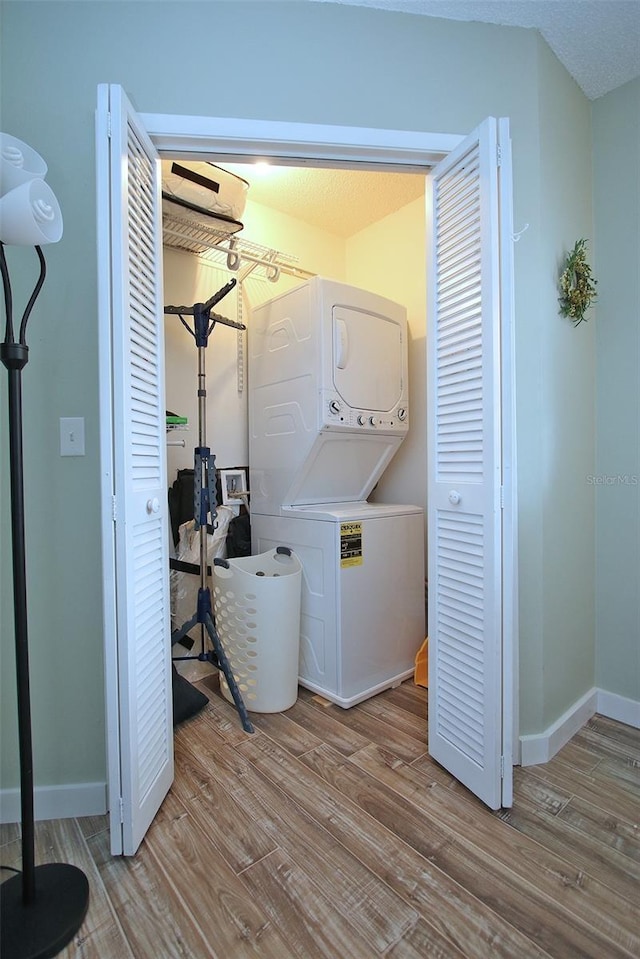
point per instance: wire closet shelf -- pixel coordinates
(229, 251)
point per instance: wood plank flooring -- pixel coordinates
(331, 834)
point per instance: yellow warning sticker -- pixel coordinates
(350, 544)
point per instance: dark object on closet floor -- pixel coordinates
(239, 535)
(187, 700)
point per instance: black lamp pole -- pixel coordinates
(43, 907)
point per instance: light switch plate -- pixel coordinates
(72, 436)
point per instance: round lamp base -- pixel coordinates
(45, 926)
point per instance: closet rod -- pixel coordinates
(229, 251)
(273, 268)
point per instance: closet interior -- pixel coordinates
(360, 228)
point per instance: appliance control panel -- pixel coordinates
(337, 415)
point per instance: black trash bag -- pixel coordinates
(181, 498)
(239, 535)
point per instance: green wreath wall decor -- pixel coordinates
(577, 285)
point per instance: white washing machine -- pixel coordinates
(363, 601)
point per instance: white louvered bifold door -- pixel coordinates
(142, 667)
(465, 632)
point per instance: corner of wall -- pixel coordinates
(541, 747)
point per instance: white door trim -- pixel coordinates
(185, 135)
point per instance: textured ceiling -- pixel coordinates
(339, 201)
(598, 41)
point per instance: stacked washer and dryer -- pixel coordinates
(328, 409)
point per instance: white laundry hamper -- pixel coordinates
(256, 602)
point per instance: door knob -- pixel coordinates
(153, 505)
(454, 497)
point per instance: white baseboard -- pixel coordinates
(619, 707)
(57, 802)
(541, 747)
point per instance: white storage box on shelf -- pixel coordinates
(204, 193)
(256, 601)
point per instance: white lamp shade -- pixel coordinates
(18, 163)
(30, 215)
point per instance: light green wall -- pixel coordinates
(616, 156)
(555, 415)
(567, 398)
(304, 62)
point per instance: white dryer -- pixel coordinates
(328, 402)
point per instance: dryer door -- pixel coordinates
(368, 359)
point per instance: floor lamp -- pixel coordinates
(42, 907)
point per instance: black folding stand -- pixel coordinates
(204, 494)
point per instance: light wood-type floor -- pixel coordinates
(330, 833)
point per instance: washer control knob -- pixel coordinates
(373, 421)
(361, 420)
(334, 406)
(402, 415)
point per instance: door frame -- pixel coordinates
(184, 137)
(181, 137)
